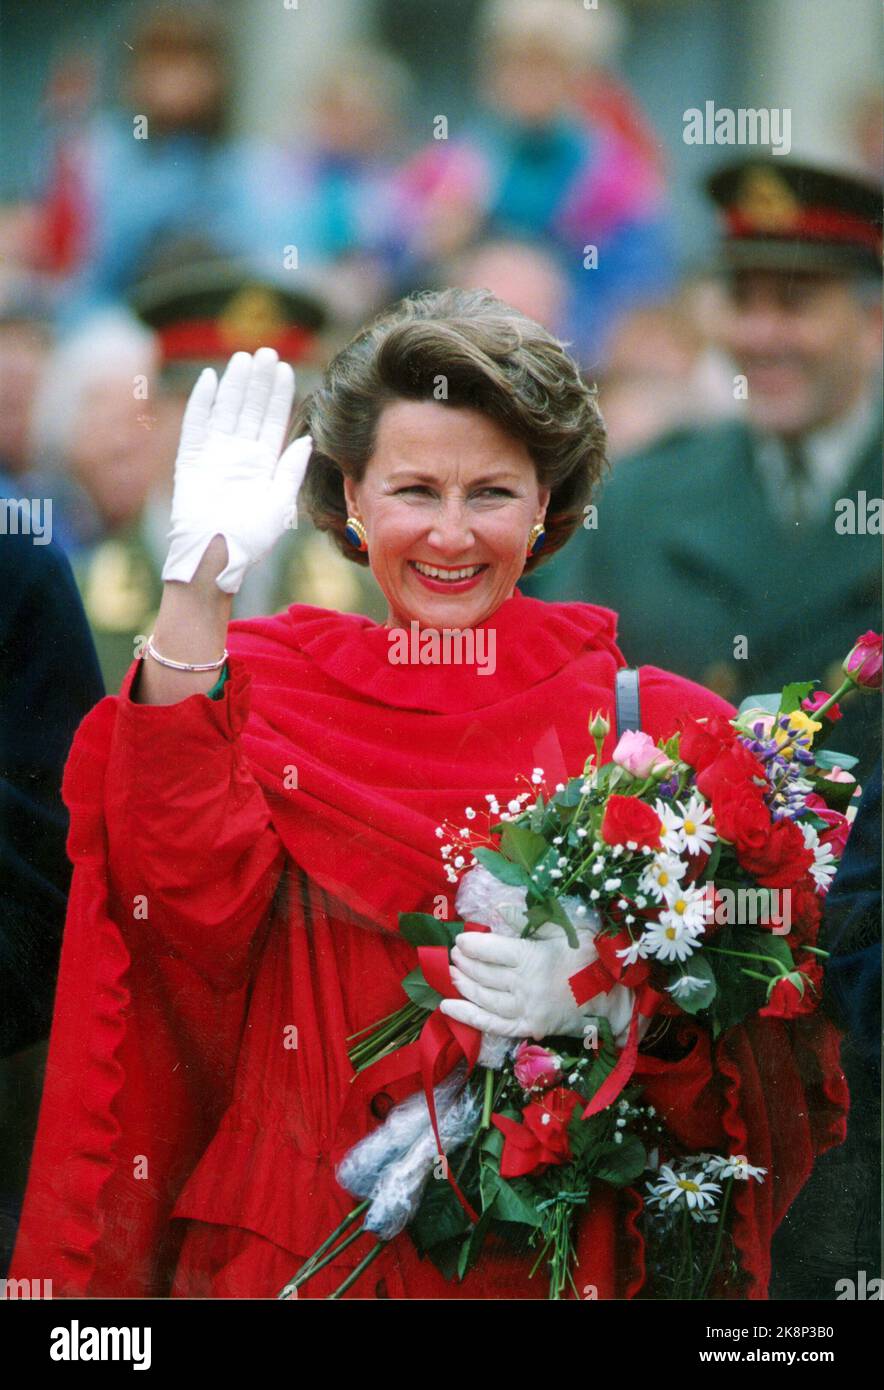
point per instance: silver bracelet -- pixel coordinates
(186, 665)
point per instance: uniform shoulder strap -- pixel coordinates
(627, 704)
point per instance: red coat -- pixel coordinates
(239, 868)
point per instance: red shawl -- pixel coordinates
(324, 758)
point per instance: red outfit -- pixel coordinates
(239, 868)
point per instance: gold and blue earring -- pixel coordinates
(355, 533)
(536, 538)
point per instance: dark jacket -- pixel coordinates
(49, 679)
(689, 553)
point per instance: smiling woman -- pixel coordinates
(259, 803)
(460, 408)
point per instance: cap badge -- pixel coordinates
(766, 203)
(252, 317)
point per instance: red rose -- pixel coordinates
(742, 817)
(542, 1141)
(700, 744)
(734, 764)
(787, 999)
(626, 818)
(806, 913)
(783, 860)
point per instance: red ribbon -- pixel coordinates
(647, 1001)
(599, 978)
(444, 1041)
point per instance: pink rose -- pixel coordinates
(638, 754)
(863, 662)
(536, 1068)
(837, 825)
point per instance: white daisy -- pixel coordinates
(822, 870)
(737, 1166)
(671, 940)
(665, 870)
(637, 950)
(698, 834)
(687, 903)
(695, 1193)
(683, 985)
(671, 834)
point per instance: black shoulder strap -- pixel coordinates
(628, 707)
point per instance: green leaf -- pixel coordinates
(620, 1164)
(422, 929)
(440, 1217)
(419, 992)
(489, 1170)
(445, 1255)
(510, 1206)
(504, 870)
(584, 1135)
(605, 1059)
(827, 758)
(769, 703)
(712, 861)
(522, 846)
(793, 694)
(571, 795)
(472, 1248)
(737, 994)
(550, 910)
(536, 816)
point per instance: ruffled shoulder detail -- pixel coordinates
(525, 642)
(60, 1226)
(785, 1103)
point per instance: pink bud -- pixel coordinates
(536, 1068)
(638, 754)
(863, 662)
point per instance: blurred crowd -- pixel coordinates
(158, 240)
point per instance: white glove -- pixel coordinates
(229, 478)
(518, 986)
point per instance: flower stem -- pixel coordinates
(686, 1254)
(719, 1236)
(331, 1255)
(846, 685)
(488, 1099)
(477, 1131)
(355, 1274)
(379, 1022)
(298, 1277)
(748, 955)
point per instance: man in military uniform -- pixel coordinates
(201, 312)
(747, 554)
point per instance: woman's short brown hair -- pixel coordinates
(462, 348)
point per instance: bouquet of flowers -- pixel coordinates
(687, 879)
